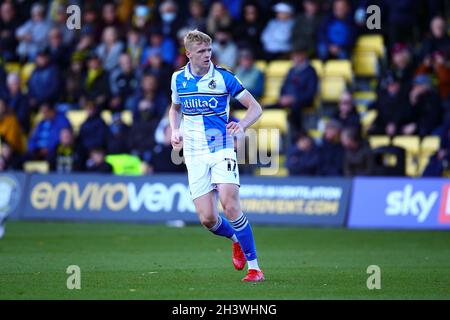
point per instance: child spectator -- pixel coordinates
(96, 162)
(303, 158)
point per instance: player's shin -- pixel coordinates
(244, 234)
(224, 229)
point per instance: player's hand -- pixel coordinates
(235, 129)
(176, 140)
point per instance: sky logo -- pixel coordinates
(444, 212)
(407, 202)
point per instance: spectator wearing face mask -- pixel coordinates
(225, 49)
(170, 20)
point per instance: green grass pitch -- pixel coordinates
(143, 261)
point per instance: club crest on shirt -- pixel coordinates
(212, 84)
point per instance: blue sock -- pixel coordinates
(244, 234)
(222, 228)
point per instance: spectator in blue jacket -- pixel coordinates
(337, 32)
(93, 132)
(44, 82)
(45, 137)
(303, 158)
(299, 88)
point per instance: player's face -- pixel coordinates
(200, 54)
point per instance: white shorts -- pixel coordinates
(207, 170)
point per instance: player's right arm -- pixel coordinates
(175, 121)
(175, 115)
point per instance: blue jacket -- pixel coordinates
(44, 83)
(46, 134)
(303, 162)
(338, 32)
(302, 83)
(93, 133)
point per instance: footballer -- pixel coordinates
(199, 119)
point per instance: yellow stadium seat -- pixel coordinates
(272, 90)
(410, 143)
(36, 167)
(412, 146)
(315, 134)
(25, 74)
(273, 119)
(12, 67)
(372, 42)
(76, 118)
(331, 88)
(126, 116)
(261, 65)
(430, 144)
(365, 64)
(367, 119)
(278, 68)
(318, 66)
(379, 141)
(339, 68)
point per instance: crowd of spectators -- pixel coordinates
(124, 54)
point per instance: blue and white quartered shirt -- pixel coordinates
(205, 104)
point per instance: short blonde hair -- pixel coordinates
(196, 36)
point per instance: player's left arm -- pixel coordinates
(254, 110)
(253, 113)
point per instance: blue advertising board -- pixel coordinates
(12, 189)
(159, 198)
(400, 203)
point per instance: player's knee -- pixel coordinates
(231, 208)
(208, 221)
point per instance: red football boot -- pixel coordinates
(254, 276)
(239, 260)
